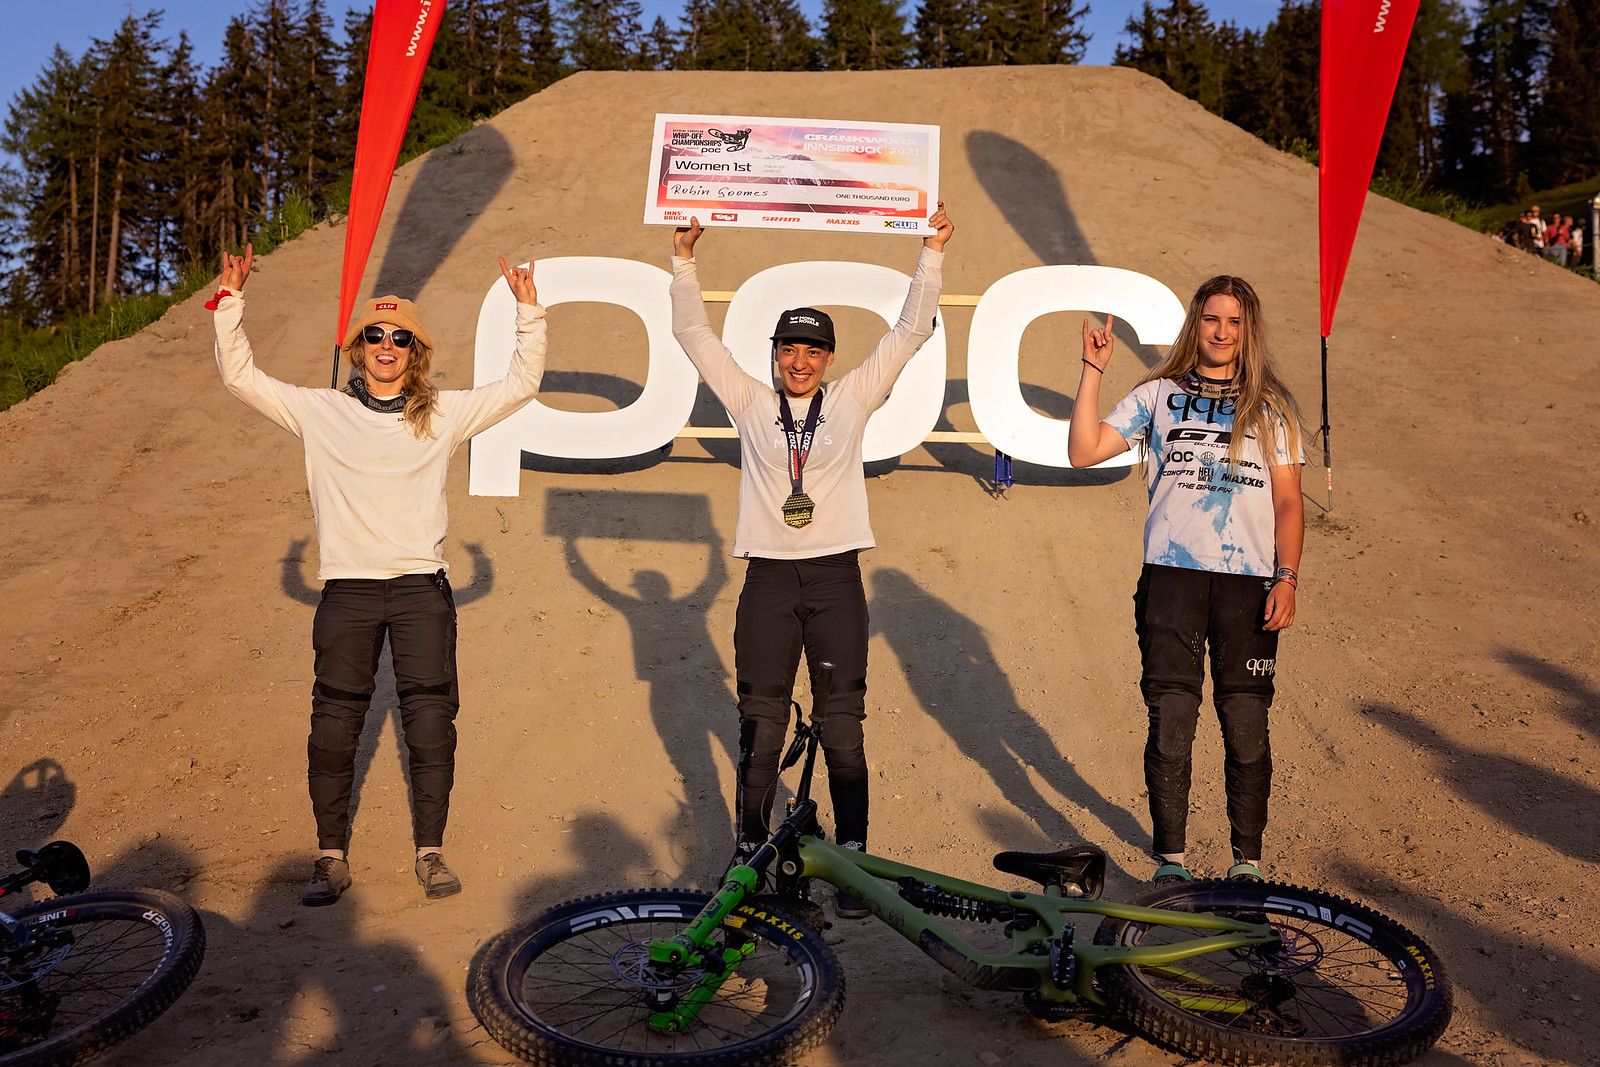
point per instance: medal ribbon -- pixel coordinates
(799, 442)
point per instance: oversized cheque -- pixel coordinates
(798, 174)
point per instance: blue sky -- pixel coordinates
(33, 30)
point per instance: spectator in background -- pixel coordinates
(1577, 242)
(1536, 225)
(1558, 239)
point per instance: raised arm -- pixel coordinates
(872, 381)
(488, 404)
(1090, 441)
(276, 400)
(733, 386)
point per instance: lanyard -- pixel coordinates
(799, 441)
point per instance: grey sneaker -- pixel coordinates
(329, 879)
(437, 879)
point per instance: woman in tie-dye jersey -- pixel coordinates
(1220, 438)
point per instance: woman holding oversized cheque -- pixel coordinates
(802, 525)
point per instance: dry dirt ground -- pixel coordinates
(1439, 699)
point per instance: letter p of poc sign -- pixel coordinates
(1002, 315)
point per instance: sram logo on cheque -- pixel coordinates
(780, 218)
(724, 216)
(900, 224)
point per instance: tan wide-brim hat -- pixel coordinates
(390, 309)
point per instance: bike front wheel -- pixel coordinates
(575, 986)
(100, 968)
(1344, 984)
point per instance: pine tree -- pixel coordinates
(1177, 44)
(232, 156)
(1564, 127)
(1486, 124)
(601, 34)
(746, 35)
(124, 100)
(1028, 31)
(1433, 67)
(658, 49)
(1291, 47)
(943, 32)
(864, 35)
(179, 178)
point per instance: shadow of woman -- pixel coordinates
(958, 683)
(674, 655)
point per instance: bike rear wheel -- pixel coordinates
(570, 986)
(1345, 984)
(104, 965)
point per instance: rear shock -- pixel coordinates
(929, 898)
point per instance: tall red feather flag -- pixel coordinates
(402, 36)
(1363, 47)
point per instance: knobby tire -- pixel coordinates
(1346, 986)
(566, 989)
(133, 954)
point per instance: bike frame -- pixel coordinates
(1044, 957)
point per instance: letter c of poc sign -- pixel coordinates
(1003, 313)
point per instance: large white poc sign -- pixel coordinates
(1002, 315)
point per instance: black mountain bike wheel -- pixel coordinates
(105, 965)
(570, 986)
(1346, 985)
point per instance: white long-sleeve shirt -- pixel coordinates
(833, 477)
(377, 491)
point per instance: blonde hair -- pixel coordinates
(422, 396)
(1262, 400)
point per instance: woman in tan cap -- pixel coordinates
(376, 456)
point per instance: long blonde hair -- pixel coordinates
(422, 396)
(1262, 400)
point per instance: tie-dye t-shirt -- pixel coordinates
(1204, 515)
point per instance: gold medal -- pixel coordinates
(797, 510)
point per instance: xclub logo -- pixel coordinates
(900, 224)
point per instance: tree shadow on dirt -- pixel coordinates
(1582, 704)
(959, 684)
(673, 653)
(1521, 989)
(454, 186)
(1518, 793)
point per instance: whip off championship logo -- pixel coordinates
(1150, 309)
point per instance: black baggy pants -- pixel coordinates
(787, 605)
(418, 614)
(1178, 613)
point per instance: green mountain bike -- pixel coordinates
(1228, 971)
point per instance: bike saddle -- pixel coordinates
(1079, 871)
(59, 865)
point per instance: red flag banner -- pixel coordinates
(402, 36)
(1363, 45)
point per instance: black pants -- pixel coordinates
(418, 614)
(788, 605)
(1178, 612)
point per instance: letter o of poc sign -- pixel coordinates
(1002, 316)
